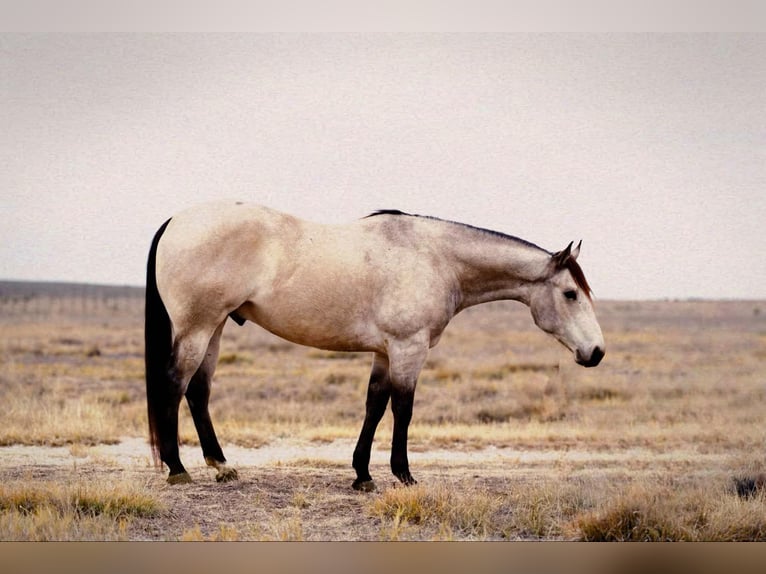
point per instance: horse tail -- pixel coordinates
(158, 348)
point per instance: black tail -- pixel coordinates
(158, 340)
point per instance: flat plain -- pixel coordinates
(510, 440)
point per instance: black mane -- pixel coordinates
(388, 212)
(466, 225)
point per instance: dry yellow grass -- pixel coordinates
(442, 510)
(582, 509)
(649, 513)
(83, 510)
(646, 446)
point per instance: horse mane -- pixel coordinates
(389, 212)
(572, 265)
(464, 225)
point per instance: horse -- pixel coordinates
(388, 284)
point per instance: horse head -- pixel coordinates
(561, 305)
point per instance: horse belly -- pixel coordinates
(313, 326)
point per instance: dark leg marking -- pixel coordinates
(378, 393)
(401, 405)
(198, 398)
(168, 443)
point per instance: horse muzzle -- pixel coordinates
(595, 357)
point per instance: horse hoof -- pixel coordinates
(180, 478)
(364, 485)
(226, 474)
(406, 479)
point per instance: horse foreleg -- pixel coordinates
(401, 405)
(378, 392)
(198, 397)
(406, 362)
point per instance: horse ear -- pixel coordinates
(576, 251)
(560, 259)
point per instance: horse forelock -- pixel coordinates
(578, 275)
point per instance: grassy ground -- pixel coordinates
(510, 439)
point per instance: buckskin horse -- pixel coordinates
(387, 284)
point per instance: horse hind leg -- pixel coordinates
(188, 354)
(198, 397)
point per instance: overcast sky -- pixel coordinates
(649, 148)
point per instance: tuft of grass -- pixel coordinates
(79, 511)
(665, 513)
(193, 535)
(301, 499)
(736, 520)
(633, 520)
(47, 524)
(285, 527)
(116, 500)
(224, 533)
(444, 511)
(542, 510)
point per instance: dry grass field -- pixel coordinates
(665, 440)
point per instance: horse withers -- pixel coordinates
(387, 284)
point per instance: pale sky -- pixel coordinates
(649, 148)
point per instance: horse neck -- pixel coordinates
(493, 268)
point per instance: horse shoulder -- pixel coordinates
(418, 295)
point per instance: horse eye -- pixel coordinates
(570, 295)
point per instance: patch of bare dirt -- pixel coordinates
(293, 490)
(287, 490)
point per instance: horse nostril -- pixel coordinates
(596, 356)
